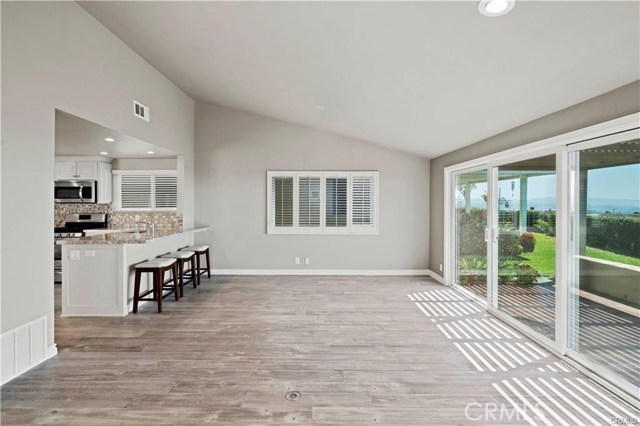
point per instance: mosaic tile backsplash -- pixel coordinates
(119, 220)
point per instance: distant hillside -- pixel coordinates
(596, 205)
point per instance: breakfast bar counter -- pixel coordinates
(98, 270)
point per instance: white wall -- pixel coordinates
(144, 164)
(235, 149)
(55, 55)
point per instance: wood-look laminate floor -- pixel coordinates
(360, 350)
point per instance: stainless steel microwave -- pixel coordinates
(75, 191)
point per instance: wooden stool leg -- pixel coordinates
(158, 279)
(136, 292)
(208, 265)
(197, 256)
(194, 277)
(180, 265)
(175, 274)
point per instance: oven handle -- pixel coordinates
(80, 193)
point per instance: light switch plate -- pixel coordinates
(89, 253)
(74, 254)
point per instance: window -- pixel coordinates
(144, 190)
(322, 202)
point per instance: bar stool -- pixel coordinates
(182, 257)
(200, 250)
(157, 267)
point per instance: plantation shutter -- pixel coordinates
(362, 190)
(148, 190)
(135, 191)
(282, 201)
(336, 202)
(309, 201)
(166, 192)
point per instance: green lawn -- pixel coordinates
(544, 255)
(612, 257)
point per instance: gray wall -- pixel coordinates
(617, 103)
(235, 149)
(55, 55)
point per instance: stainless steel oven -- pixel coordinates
(75, 191)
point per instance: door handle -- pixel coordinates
(486, 235)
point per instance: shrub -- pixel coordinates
(546, 222)
(619, 234)
(515, 272)
(472, 263)
(470, 229)
(527, 241)
(509, 245)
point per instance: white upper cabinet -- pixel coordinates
(70, 168)
(65, 170)
(87, 170)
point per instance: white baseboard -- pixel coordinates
(23, 348)
(368, 272)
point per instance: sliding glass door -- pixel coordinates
(470, 228)
(550, 240)
(525, 210)
(604, 323)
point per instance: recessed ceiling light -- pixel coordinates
(109, 139)
(104, 153)
(150, 152)
(320, 107)
(496, 7)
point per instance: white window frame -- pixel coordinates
(117, 196)
(350, 229)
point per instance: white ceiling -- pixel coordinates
(77, 136)
(424, 77)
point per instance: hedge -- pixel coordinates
(619, 234)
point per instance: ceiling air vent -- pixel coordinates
(140, 111)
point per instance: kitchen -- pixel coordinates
(117, 203)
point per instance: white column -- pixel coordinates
(467, 197)
(523, 203)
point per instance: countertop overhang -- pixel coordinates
(130, 237)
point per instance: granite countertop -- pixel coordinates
(131, 237)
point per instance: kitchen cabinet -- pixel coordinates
(65, 170)
(76, 170)
(105, 183)
(87, 168)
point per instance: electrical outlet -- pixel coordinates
(307, 261)
(441, 267)
(296, 260)
(74, 254)
(89, 253)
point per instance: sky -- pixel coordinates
(615, 182)
(611, 183)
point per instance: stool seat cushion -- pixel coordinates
(184, 254)
(197, 248)
(156, 263)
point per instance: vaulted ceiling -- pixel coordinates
(423, 77)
